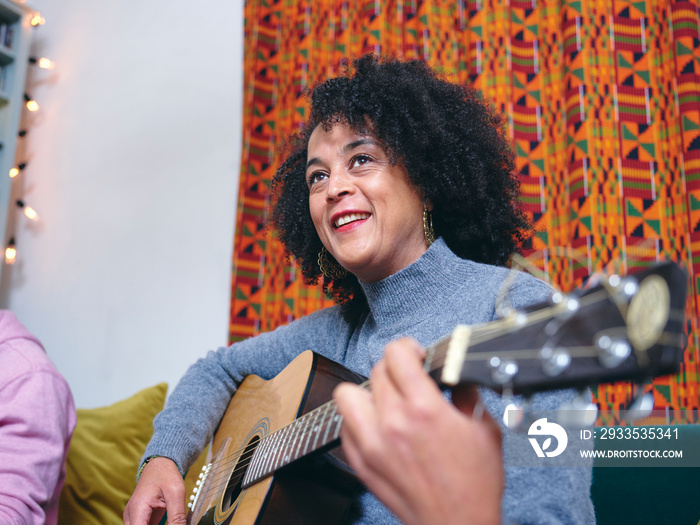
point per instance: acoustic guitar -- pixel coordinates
(277, 459)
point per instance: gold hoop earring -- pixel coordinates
(428, 225)
(330, 269)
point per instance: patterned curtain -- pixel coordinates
(603, 102)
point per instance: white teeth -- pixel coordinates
(350, 218)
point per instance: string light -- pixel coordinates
(32, 105)
(43, 63)
(15, 170)
(10, 252)
(29, 212)
(37, 20)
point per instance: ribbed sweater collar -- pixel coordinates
(416, 289)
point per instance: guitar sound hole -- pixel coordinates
(233, 488)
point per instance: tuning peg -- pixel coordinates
(565, 307)
(502, 370)
(625, 287)
(640, 408)
(554, 360)
(613, 351)
(579, 413)
(569, 304)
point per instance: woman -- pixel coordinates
(391, 157)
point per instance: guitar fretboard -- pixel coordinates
(309, 433)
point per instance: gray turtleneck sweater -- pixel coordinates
(425, 300)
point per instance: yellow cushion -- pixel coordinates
(104, 457)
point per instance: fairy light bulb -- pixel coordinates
(37, 20)
(43, 63)
(10, 252)
(32, 104)
(29, 212)
(14, 171)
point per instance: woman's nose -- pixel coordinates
(339, 184)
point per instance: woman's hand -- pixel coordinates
(428, 460)
(160, 489)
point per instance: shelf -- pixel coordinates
(9, 14)
(14, 60)
(7, 56)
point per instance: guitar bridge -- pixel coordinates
(195, 491)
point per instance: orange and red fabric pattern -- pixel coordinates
(602, 100)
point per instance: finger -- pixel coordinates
(362, 442)
(156, 516)
(387, 399)
(465, 398)
(355, 405)
(359, 422)
(175, 506)
(143, 515)
(404, 363)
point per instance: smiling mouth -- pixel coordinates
(347, 219)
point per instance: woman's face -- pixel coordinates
(366, 212)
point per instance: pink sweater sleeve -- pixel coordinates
(37, 418)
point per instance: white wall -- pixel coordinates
(133, 168)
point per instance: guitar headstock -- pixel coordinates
(618, 328)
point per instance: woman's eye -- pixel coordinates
(315, 177)
(359, 160)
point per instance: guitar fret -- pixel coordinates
(328, 424)
(323, 420)
(255, 463)
(313, 427)
(280, 443)
(302, 430)
(259, 469)
(281, 448)
(295, 431)
(257, 459)
(269, 454)
(288, 444)
(338, 420)
(248, 474)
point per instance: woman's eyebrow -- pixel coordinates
(347, 148)
(360, 142)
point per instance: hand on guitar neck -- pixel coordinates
(427, 460)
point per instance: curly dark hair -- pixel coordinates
(451, 141)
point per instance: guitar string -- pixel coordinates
(480, 334)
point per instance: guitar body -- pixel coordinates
(315, 490)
